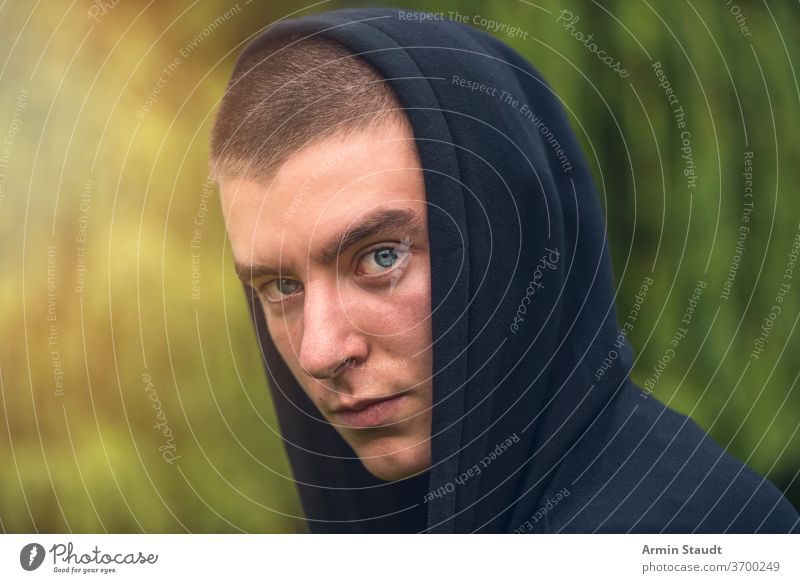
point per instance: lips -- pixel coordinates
(368, 412)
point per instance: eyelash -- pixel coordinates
(383, 246)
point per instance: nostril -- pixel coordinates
(345, 364)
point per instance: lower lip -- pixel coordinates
(371, 415)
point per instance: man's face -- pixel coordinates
(337, 248)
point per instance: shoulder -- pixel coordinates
(644, 467)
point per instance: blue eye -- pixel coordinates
(287, 286)
(378, 261)
(278, 289)
(385, 257)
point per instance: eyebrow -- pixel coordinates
(379, 222)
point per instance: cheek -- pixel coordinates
(284, 339)
(287, 343)
(401, 313)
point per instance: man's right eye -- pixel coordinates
(278, 290)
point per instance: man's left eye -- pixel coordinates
(378, 261)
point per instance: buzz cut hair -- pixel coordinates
(289, 94)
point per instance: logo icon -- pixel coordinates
(31, 556)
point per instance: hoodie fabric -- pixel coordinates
(524, 437)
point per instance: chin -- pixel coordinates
(394, 459)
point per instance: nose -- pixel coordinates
(331, 339)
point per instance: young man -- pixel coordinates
(426, 266)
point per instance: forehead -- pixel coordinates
(322, 189)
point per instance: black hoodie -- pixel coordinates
(524, 437)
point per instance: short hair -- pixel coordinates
(289, 94)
